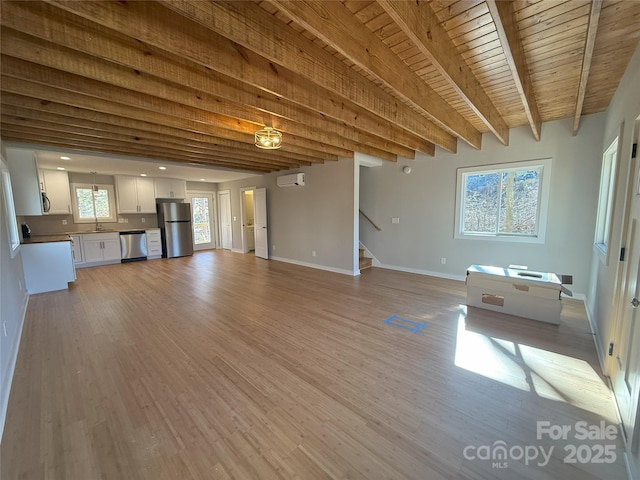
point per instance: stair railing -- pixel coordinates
(370, 221)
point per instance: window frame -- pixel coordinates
(11, 221)
(110, 195)
(606, 200)
(543, 201)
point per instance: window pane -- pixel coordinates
(201, 226)
(102, 203)
(85, 203)
(519, 202)
(481, 203)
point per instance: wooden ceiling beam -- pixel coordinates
(157, 26)
(164, 99)
(140, 138)
(155, 110)
(335, 25)
(83, 71)
(592, 30)
(419, 22)
(56, 26)
(179, 129)
(52, 133)
(117, 149)
(507, 30)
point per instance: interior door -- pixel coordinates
(626, 366)
(202, 221)
(224, 204)
(260, 222)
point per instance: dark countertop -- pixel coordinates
(62, 237)
(109, 230)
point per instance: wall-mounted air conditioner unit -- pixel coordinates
(293, 180)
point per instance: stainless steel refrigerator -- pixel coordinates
(174, 220)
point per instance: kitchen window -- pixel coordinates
(93, 203)
(504, 202)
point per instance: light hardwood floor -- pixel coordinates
(223, 366)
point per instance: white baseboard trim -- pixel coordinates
(632, 471)
(429, 273)
(237, 250)
(596, 336)
(316, 266)
(6, 389)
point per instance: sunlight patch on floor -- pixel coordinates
(546, 374)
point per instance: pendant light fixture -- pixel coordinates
(268, 138)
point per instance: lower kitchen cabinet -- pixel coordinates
(101, 248)
(76, 249)
(154, 243)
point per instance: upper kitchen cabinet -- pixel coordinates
(56, 195)
(170, 188)
(135, 194)
(24, 181)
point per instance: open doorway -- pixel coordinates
(247, 216)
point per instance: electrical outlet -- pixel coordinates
(64, 222)
(395, 220)
(144, 219)
(443, 260)
(273, 247)
(235, 218)
(313, 253)
(126, 220)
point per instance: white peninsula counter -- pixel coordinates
(47, 262)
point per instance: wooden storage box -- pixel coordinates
(524, 293)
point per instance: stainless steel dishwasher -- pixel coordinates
(133, 245)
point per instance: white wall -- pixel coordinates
(316, 217)
(13, 304)
(620, 118)
(425, 203)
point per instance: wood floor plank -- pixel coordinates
(225, 366)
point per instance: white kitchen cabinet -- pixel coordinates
(154, 243)
(55, 184)
(24, 181)
(47, 266)
(135, 194)
(76, 249)
(170, 188)
(101, 248)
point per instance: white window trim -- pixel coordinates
(112, 203)
(9, 210)
(543, 205)
(606, 212)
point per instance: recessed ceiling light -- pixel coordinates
(65, 158)
(162, 168)
(61, 168)
(202, 180)
(143, 174)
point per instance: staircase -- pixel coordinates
(364, 262)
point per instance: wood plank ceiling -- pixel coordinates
(191, 81)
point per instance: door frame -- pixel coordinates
(245, 248)
(219, 210)
(213, 216)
